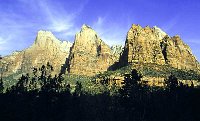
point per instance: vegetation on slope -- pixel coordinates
(134, 101)
(154, 70)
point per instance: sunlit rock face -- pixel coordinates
(46, 48)
(178, 54)
(89, 54)
(116, 51)
(152, 45)
(143, 46)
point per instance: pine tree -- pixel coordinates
(131, 84)
(78, 89)
(171, 83)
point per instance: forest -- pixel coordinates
(41, 97)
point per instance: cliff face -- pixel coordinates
(116, 51)
(89, 54)
(178, 54)
(46, 48)
(152, 45)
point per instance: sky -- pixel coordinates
(20, 20)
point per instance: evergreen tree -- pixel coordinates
(131, 84)
(78, 89)
(23, 84)
(68, 89)
(171, 83)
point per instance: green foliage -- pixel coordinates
(154, 70)
(41, 80)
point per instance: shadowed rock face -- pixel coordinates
(46, 48)
(152, 45)
(89, 54)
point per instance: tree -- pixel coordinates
(68, 89)
(171, 83)
(49, 69)
(78, 89)
(131, 84)
(22, 85)
(34, 80)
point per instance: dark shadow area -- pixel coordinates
(46, 98)
(163, 46)
(65, 66)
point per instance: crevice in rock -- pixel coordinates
(163, 46)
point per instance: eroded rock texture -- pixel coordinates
(46, 48)
(152, 45)
(89, 54)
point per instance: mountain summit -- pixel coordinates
(153, 46)
(46, 48)
(89, 54)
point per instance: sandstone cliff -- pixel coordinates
(89, 54)
(152, 45)
(116, 51)
(46, 48)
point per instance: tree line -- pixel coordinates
(42, 97)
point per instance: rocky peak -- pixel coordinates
(46, 48)
(160, 33)
(136, 30)
(142, 46)
(89, 54)
(86, 36)
(44, 38)
(85, 27)
(154, 46)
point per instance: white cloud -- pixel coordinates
(100, 21)
(58, 19)
(112, 34)
(2, 41)
(170, 24)
(20, 23)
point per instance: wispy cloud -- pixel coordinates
(112, 34)
(167, 26)
(58, 19)
(2, 41)
(193, 41)
(21, 21)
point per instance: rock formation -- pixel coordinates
(177, 54)
(89, 54)
(46, 48)
(116, 51)
(152, 45)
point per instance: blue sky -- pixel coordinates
(21, 19)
